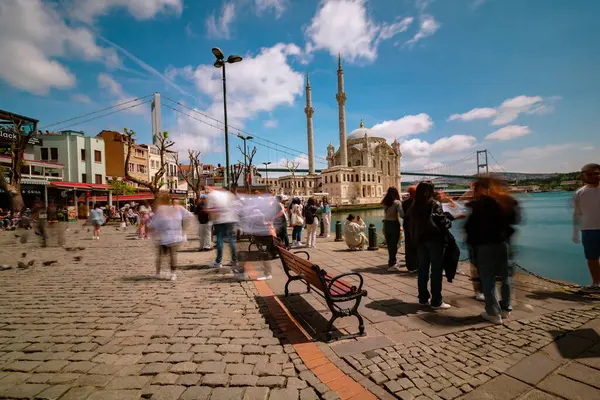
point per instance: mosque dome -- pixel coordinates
(360, 132)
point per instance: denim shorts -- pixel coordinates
(591, 244)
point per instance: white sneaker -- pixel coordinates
(264, 278)
(494, 319)
(443, 306)
(215, 265)
(394, 268)
(505, 314)
(479, 297)
(173, 277)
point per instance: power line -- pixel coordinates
(298, 154)
(238, 129)
(105, 115)
(95, 112)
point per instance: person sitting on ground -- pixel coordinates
(354, 234)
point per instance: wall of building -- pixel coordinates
(115, 152)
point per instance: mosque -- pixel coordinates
(361, 169)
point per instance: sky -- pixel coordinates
(444, 77)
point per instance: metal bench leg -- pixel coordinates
(290, 280)
(329, 329)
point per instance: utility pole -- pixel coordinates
(482, 161)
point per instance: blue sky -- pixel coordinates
(445, 77)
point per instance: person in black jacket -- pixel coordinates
(410, 249)
(489, 229)
(428, 226)
(205, 230)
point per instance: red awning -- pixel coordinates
(80, 186)
(131, 197)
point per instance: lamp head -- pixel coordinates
(218, 53)
(249, 137)
(234, 59)
(219, 63)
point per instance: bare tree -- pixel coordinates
(13, 185)
(163, 146)
(193, 175)
(235, 171)
(248, 158)
(292, 166)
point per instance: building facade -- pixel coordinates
(84, 157)
(115, 144)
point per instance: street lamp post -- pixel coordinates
(220, 63)
(244, 138)
(266, 164)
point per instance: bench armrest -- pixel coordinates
(303, 252)
(338, 277)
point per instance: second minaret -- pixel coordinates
(341, 99)
(309, 111)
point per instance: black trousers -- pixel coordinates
(410, 252)
(391, 231)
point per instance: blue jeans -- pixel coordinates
(222, 230)
(431, 255)
(492, 261)
(297, 233)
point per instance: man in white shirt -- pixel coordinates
(223, 210)
(586, 217)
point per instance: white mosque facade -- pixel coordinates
(359, 172)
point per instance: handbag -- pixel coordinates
(299, 221)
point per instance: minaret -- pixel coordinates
(341, 99)
(309, 111)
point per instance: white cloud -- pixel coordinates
(302, 161)
(509, 132)
(259, 83)
(116, 91)
(510, 109)
(453, 144)
(81, 98)
(270, 123)
(343, 26)
(565, 157)
(219, 27)
(278, 6)
(476, 113)
(405, 126)
(36, 32)
(428, 27)
(88, 10)
(188, 31)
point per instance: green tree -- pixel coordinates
(121, 188)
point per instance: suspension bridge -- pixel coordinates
(275, 151)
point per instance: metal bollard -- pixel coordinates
(322, 228)
(372, 237)
(338, 231)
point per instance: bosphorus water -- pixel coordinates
(543, 242)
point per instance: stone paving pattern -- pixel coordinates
(96, 325)
(104, 328)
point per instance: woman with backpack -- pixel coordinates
(312, 222)
(428, 229)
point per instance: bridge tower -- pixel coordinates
(482, 161)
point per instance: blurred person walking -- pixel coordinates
(428, 227)
(168, 223)
(205, 225)
(586, 218)
(354, 233)
(410, 249)
(312, 222)
(281, 223)
(297, 222)
(488, 231)
(222, 207)
(144, 218)
(326, 209)
(393, 212)
(40, 213)
(97, 219)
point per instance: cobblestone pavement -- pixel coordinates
(97, 325)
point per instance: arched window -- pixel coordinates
(351, 177)
(357, 178)
(389, 168)
(337, 178)
(379, 179)
(357, 163)
(363, 177)
(382, 166)
(373, 177)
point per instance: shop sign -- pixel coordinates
(8, 135)
(32, 190)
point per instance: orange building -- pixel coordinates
(115, 145)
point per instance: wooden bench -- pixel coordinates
(333, 288)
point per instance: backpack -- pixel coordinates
(310, 215)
